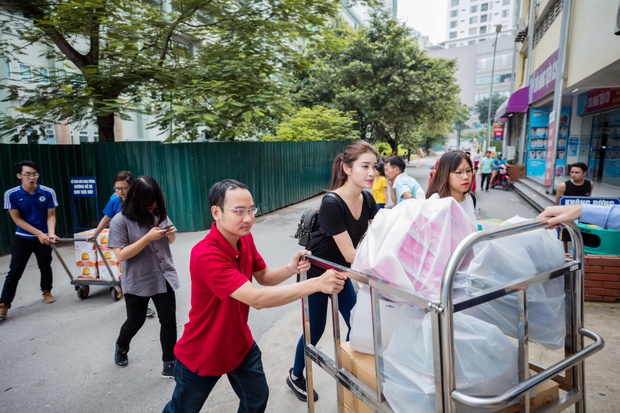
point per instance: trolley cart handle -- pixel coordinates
(513, 393)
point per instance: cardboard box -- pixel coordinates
(348, 409)
(545, 393)
(116, 268)
(85, 256)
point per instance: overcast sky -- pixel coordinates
(426, 16)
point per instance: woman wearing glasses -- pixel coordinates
(140, 237)
(344, 216)
(453, 177)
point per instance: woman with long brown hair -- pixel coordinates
(453, 177)
(344, 216)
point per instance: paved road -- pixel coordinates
(59, 357)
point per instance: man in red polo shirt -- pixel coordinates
(217, 339)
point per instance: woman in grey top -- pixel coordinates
(141, 236)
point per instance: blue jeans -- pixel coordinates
(20, 254)
(317, 303)
(248, 381)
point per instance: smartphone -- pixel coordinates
(165, 228)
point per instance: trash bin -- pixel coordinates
(516, 172)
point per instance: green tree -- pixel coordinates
(315, 124)
(382, 75)
(483, 107)
(193, 64)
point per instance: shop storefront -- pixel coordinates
(602, 107)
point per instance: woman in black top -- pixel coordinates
(343, 220)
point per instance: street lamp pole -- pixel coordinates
(498, 28)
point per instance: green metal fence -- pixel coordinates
(277, 173)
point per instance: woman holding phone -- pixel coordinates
(141, 236)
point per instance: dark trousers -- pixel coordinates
(317, 303)
(136, 315)
(485, 177)
(20, 254)
(248, 381)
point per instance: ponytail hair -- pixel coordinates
(350, 155)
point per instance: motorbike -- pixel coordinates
(502, 178)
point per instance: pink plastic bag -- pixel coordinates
(410, 244)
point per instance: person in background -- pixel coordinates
(453, 178)
(607, 216)
(379, 186)
(495, 166)
(576, 186)
(485, 170)
(122, 181)
(140, 237)
(217, 339)
(343, 221)
(32, 208)
(403, 185)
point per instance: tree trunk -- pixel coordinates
(105, 125)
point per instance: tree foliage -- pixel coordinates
(483, 107)
(193, 64)
(315, 124)
(382, 75)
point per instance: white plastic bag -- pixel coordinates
(361, 337)
(502, 260)
(410, 244)
(485, 361)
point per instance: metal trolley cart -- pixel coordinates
(82, 285)
(572, 380)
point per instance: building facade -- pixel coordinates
(581, 59)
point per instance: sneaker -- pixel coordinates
(168, 371)
(4, 311)
(299, 387)
(150, 312)
(120, 356)
(48, 298)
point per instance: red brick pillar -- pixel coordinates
(602, 277)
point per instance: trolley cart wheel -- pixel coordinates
(116, 295)
(82, 291)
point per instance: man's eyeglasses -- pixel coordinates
(117, 189)
(465, 172)
(242, 211)
(29, 175)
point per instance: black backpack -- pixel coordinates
(308, 226)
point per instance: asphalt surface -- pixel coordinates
(59, 357)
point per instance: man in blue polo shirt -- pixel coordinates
(32, 208)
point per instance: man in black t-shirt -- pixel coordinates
(576, 186)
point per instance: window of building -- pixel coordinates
(9, 73)
(506, 2)
(83, 136)
(454, 13)
(473, 31)
(453, 24)
(483, 29)
(25, 72)
(471, 42)
(452, 35)
(473, 9)
(484, 7)
(483, 18)
(44, 75)
(473, 20)
(454, 3)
